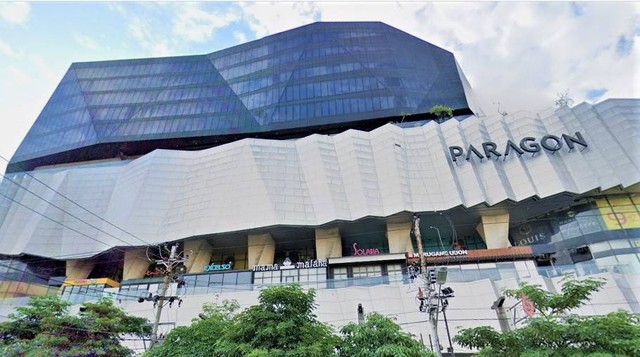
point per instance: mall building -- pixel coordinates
(305, 156)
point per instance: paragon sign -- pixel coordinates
(550, 143)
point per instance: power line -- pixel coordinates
(70, 200)
(68, 213)
(54, 221)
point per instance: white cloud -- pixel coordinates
(240, 36)
(266, 18)
(194, 24)
(519, 54)
(8, 51)
(142, 31)
(15, 12)
(85, 41)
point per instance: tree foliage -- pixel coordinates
(557, 332)
(441, 111)
(44, 327)
(199, 339)
(283, 324)
(378, 336)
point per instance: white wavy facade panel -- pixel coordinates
(170, 195)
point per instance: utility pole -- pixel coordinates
(170, 264)
(428, 286)
(502, 314)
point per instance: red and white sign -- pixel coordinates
(528, 306)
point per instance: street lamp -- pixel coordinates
(443, 294)
(441, 275)
(439, 236)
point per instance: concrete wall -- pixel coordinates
(470, 307)
(328, 243)
(261, 249)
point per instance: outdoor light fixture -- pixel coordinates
(498, 303)
(441, 275)
(447, 292)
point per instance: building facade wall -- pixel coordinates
(172, 195)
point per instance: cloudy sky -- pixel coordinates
(520, 55)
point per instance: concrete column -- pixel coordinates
(261, 249)
(494, 230)
(399, 237)
(328, 243)
(79, 268)
(199, 251)
(135, 263)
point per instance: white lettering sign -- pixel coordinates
(299, 265)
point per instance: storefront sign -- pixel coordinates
(367, 251)
(268, 267)
(532, 233)
(619, 213)
(299, 265)
(82, 281)
(215, 267)
(153, 273)
(311, 264)
(445, 253)
(97, 281)
(550, 143)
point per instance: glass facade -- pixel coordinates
(317, 75)
(368, 274)
(599, 234)
(20, 277)
(311, 277)
(194, 284)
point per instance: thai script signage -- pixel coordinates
(489, 149)
(366, 251)
(299, 265)
(216, 267)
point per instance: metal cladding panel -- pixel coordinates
(316, 75)
(254, 183)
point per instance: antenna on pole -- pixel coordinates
(563, 100)
(502, 113)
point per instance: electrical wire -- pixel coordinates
(72, 201)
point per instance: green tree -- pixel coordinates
(44, 327)
(441, 111)
(282, 324)
(378, 336)
(557, 332)
(199, 339)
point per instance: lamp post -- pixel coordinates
(502, 314)
(439, 236)
(447, 293)
(441, 278)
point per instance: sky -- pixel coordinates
(517, 56)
